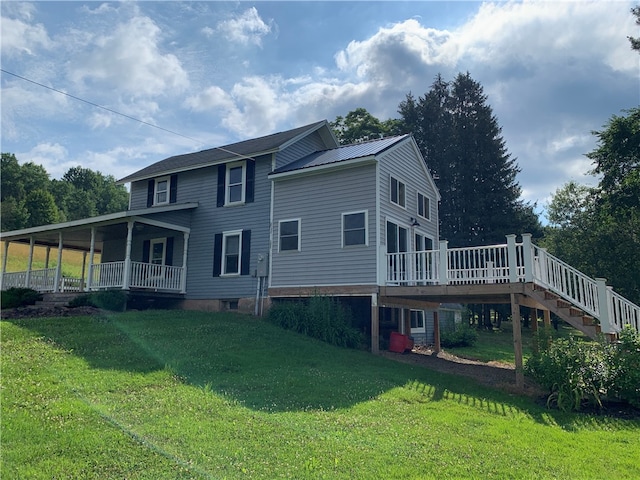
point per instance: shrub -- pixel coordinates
(320, 317)
(15, 297)
(114, 300)
(462, 335)
(624, 360)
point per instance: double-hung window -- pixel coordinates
(231, 252)
(236, 179)
(397, 189)
(289, 231)
(354, 229)
(424, 206)
(161, 193)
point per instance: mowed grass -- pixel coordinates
(166, 395)
(18, 259)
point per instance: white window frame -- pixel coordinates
(396, 201)
(420, 317)
(156, 191)
(298, 248)
(156, 241)
(223, 258)
(366, 228)
(426, 208)
(242, 184)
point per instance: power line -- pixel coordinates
(121, 114)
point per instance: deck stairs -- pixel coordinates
(57, 299)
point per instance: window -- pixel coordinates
(417, 318)
(423, 243)
(236, 176)
(424, 206)
(289, 235)
(231, 253)
(397, 192)
(157, 251)
(161, 195)
(354, 229)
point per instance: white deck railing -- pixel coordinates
(42, 280)
(106, 275)
(157, 277)
(509, 263)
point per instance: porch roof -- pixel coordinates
(76, 233)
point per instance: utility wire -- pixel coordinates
(120, 113)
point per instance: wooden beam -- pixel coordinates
(517, 339)
(416, 304)
(436, 332)
(375, 325)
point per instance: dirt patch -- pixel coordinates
(38, 311)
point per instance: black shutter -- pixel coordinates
(251, 181)
(146, 247)
(168, 255)
(173, 189)
(217, 255)
(246, 252)
(151, 186)
(222, 175)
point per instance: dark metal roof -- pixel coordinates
(240, 150)
(341, 154)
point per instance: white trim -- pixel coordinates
(227, 184)
(428, 209)
(223, 263)
(366, 228)
(400, 182)
(299, 247)
(156, 192)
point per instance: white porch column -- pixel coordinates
(185, 248)
(127, 258)
(56, 285)
(603, 306)
(92, 250)
(528, 257)
(4, 262)
(443, 270)
(32, 242)
(512, 258)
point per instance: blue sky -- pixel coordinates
(220, 72)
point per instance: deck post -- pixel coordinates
(27, 281)
(92, 250)
(512, 258)
(375, 325)
(436, 332)
(46, 258)
(443, 270)
(4, 261)
(56, 284)
(517, 339)
(127, 258)
(528, 257)
(84, 270)
(183, 280)
(603, 306)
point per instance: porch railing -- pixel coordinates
(143, 275)
(43, 280)
(510, 263)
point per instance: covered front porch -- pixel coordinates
(137, 250)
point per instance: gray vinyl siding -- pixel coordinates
(405, 165)
(310, 144)
(319, 202)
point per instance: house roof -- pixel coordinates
(240, 150)
(341, 154)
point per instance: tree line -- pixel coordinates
(29, 197)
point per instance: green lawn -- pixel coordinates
(166, 395)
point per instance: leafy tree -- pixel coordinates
(41, 207)
(462, 144)
(360, 125)
(635, 41)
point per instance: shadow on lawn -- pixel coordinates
(260, 366)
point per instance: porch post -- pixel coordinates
(512, 258)
(443, 271)
(436, 332)
(603, 306)
(185, 247)
(56, 285)
(517, 340)
(84, 267)
(127, 258)
(527, 249)
(92, 250)
(27, 281)
(375, 325)
(46, 258)
(4, 261)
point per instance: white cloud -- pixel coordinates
(19, 37)
(248, 28)
(207, 32)
(51, 156)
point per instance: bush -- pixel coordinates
(462, 335)
(15, 297)
(624, 360)
(114, 300)
(321, 317)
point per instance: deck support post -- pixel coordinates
(517, 339)
(127, 258)
(185, 248)
(92, 251)
(56, 282)
(84, 270)
(603, 306)
(512, 258)
(375, 325)
(443, 263)
(436, 332)
(27, 281)
(4, 261)
(546, 318)
(47, 256)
